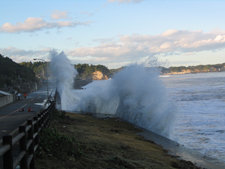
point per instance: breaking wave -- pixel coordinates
(135, 94)
(64, 73)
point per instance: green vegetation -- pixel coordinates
(11, 72)
(178, 69)
(84, 70)
(80, 141)
(199, 68)
(38, 67)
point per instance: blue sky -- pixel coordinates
(115, 32)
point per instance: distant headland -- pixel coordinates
(26, 76)
(193, 69)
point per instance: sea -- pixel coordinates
(187, 108)
(200, 101)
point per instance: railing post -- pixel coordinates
(36, 126)
(31, 148)
(8, 156)
(51, 109)
(39, 122)
(48, 116)
(45, 118)
(23, 147)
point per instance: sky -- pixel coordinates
(115, 33)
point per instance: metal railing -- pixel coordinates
(28, 140)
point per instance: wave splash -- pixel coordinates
(64, 73)
(135, 94)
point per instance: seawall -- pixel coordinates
(7, 99)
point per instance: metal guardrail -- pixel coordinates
(28, 139)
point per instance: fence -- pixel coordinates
(28, 139)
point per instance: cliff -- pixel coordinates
(95, 72)
(97, 75)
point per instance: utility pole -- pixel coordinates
(46, 75)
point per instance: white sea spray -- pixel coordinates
(63, 73)
(135, 94)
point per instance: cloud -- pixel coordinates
(86, 13)
(20, 55)
(56, 15)
(35, 24)
(189, 54)
(124, 49)
(169, 42)
(103, 40)
(125, 1)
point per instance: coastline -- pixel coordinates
(176, 149)
(182, 73)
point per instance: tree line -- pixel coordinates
(84, 70)
(198, 68)
(11, 71)
(39, 68)
(29, 71)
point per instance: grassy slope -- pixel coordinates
(85, 142)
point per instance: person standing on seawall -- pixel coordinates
(18, 95)
(25, 95)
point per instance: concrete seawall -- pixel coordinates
(7, 99)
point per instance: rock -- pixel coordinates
(97, 75)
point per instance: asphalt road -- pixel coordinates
(10, 116)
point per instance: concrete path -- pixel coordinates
(10, 116)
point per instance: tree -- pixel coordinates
(9, 70)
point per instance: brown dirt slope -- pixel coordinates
(76, 141)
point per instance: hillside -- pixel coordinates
(15, 76)
(85, 71)
(100, 72)
(39, 68)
